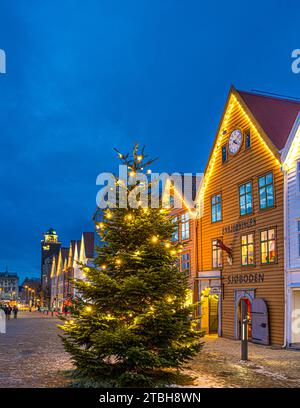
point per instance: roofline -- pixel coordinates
(232, 88)
(262, 132)
(270, 95)
(285, 151)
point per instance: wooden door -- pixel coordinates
(213, 314)
(260, 322)
(295, 317)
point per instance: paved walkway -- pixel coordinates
(31, 353)
(219, 365)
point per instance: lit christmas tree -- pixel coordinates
(132, 320)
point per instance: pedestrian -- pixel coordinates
(7, 311)
(15, 311)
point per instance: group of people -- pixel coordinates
(8, 310)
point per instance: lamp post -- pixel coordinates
(26, 294)
(33, 297)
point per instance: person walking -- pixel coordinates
(7, 311)
(15, 311)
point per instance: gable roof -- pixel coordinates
(88, 238)
(64, 253)
(292, 143)
(275, 115)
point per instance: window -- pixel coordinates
(175, 232)
(185, 226)
(247, 139)
(185, 263)
(266, 191)
(216, 213)
(298, 225)
(224, 154)
(216, 255)
(245, 191)
(268, 246)
(247, 244)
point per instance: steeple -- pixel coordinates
(51, 236)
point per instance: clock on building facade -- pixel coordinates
(235, 141)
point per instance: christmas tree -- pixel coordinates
(132, 323)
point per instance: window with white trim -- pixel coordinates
(175, 231)
(185, 263)
(185, 226)
(216, 255)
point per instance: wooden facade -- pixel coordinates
(224, 174)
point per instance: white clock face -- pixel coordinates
(235, 141)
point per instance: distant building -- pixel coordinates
(66, 266)
(30, 291)
(9, 286)
(50, 247)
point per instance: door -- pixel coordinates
(296, 317)
(260, 322)
(248, 303)
(213, 314)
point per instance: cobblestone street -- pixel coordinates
(219, 365)
(31, 353)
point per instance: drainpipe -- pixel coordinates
(285, 221)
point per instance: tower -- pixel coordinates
(50, 247)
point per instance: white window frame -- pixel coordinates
(185, 226)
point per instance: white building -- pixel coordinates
(291, 169)
(83, 255)
(9, 289)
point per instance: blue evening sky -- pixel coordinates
(86, 76)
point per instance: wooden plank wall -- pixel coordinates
(225, 178)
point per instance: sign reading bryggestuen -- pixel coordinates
(250, 222)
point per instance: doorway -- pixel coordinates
(295, 317)
(213, 314)
(248, 303)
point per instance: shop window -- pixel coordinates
(216, 255)
(266, 191)
(268, 246)
(185, 263)
(245, 191)
(175, 231)
(216, 208)
(185, 226)
(247, 249)
(224, 154)
(247, 139)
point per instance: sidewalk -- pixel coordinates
(267, 366)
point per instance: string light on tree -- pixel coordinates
(133, 302)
